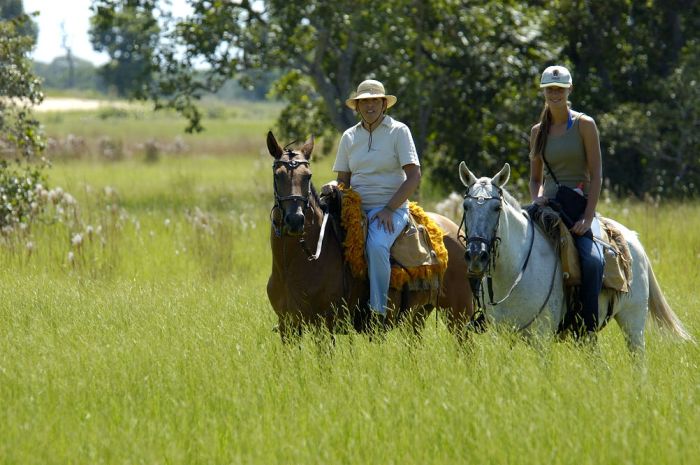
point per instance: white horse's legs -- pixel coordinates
(632, 322)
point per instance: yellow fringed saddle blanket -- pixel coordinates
(419, 254)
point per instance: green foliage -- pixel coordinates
(19, 91)
(20, 196)
(20, 135)
(14, 9)
(465, 72)
(128, 32)
(652, 147)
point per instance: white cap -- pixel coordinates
(557, 76)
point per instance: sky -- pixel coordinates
(75, 14)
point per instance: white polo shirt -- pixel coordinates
(376, 172)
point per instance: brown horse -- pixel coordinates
(311, 285)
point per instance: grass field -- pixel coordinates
(149, 339)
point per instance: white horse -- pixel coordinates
(523, 274)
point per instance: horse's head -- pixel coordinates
(483, 203)
(291, 182)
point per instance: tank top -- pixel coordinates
(566, 156)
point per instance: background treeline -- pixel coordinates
(465, 72)
(86, 77)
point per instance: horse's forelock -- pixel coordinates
(484, 187)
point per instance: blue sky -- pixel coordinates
(75, 14)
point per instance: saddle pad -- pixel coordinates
(419, 254)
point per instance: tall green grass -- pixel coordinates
(154, 344)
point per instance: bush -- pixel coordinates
(19, 201)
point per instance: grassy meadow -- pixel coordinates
(135, 329)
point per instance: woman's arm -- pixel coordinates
(591, 144)
(536, 171)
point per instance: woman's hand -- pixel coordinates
(581, 226)
(541, 201)
(386, 219)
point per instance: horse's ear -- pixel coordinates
(501, 178)
(466, 176)
(272, 145)
(308, 147)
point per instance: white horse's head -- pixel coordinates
(483, 203)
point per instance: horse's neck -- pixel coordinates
(514, 233)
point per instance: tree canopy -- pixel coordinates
(465, 72)
(19, 88)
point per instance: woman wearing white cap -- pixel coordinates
(378, 158)
(565, 151)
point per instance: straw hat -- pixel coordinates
(370, 89)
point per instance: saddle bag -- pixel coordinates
(570, 262)
(413, 247)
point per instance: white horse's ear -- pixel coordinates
(466, 176)
(501, 178)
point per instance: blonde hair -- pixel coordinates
(542, 133)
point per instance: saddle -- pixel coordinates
(617, 273)
(418, 256)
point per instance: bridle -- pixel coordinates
(492, 244)
(291, 165)
(280, 230)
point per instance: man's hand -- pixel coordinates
(329, 188)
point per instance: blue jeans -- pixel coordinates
(592, 265)
(379, 242)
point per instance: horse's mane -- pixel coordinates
(314, 195)
(510, 200)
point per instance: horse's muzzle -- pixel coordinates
(294, 223)
(477, 257)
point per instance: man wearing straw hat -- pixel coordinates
(378, 158)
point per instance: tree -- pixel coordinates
(128, 32)
(428, 52)
(20, 138)
(14, 9)
(465, 71)
(19, 90)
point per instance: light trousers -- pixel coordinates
(378, 246)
